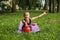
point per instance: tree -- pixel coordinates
(50, 5)
(29, 4)
(58, 5)
(53, 6)
(46, 5)
(13, 5)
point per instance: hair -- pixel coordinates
(25, 12)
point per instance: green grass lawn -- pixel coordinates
(9, 22)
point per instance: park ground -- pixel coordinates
(50, 28)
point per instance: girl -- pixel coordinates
(27, 20)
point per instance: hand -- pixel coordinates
(42, 14)
(25, 23)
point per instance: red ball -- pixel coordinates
(26, 29)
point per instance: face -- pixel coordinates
(26, 15)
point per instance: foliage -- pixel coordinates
(29, 4)
(5, 7)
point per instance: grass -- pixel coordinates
(9, 23)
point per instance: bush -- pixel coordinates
(5, 7)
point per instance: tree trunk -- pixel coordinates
(50, 6)
(34, 4)
(29, 5)
(46, 5)
(13, 7)
(58, 5)
(24, 4)
(53, 6)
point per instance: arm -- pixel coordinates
(38, 16)
(25, 23)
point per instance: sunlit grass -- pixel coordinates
(49, 30)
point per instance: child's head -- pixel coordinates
(26, 15)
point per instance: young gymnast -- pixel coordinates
(27, 20)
